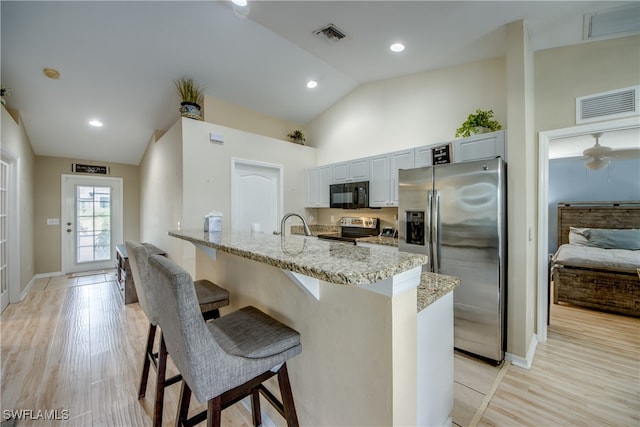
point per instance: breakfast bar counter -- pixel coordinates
(377, 333)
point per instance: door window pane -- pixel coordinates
(93, 219)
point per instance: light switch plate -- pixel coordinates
(216, 137)
(53, 221)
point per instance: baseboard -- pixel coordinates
(27, 289)
(35, 277)
(524, 362)
(43, 275)
(266, 420)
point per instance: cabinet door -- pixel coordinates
(422, 156)
(478, 147)
(359, 169)
(399, 160)
(311, 187)
(322, 190)
(379, 181)
(339, 172)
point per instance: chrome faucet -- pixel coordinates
(307, 231)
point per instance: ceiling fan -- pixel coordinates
(600, 156)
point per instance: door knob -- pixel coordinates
(68, 223)
(68, 230)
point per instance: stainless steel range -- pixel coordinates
(353, 227)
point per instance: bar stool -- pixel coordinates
(210, 298)
(225, 360)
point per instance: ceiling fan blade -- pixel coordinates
(625, 153)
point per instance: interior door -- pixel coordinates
(256, 191)
(4, 216)
(92, 222)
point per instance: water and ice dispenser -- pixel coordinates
(415, 227)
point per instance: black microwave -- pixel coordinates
(350, 195)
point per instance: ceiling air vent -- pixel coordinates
(609, 105)
(330, 33)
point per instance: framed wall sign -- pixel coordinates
(93, 169)
(442, 154)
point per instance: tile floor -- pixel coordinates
(475, 380)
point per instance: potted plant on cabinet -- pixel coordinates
(192, 96)
(297, 136)
(479, 122)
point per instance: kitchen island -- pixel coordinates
(373, 353)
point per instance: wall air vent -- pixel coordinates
(613, 104)
(330, 33)
(615, 22)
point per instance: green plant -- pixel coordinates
(479, 119)
(189, 91)
(4, 92)
(296, 136)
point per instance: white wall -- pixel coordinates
(564, 73)
(161, 190)
(207, 172)
(420, 109)
(15, 143)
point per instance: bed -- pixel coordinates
(600, 267)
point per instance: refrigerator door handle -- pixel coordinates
(435, 239)
(427, 227)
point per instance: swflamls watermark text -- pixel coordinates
(36, 414)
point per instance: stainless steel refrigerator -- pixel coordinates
(456, 215)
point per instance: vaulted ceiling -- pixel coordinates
(117, 59)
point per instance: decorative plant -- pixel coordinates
(189, 91)
(479, 119)
(297, 136)
(4, 92)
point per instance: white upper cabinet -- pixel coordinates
(353, 170)
(478, 147)
(383, 177)
(382, 170)
(380, 181)
(339, 172)
(317, 181)
(399, 160)
(359, 169)
(422, 156)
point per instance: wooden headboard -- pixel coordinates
(596, 215)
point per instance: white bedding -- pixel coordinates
(622, 260)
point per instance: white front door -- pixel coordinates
(91, 222)
(256, 196)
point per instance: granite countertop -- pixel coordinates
(332, 262)
(433, 287)
(380, 240)
(316, 229)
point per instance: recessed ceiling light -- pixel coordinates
(311, 84)
(241, 3)
(397, 47)
(95, 123)
(51, 73)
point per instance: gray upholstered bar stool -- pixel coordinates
(210, 298)
(225, 360)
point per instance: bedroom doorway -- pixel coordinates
(545, 139)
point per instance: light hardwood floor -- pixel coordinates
(72, 344)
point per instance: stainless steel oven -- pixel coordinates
(350, 195)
